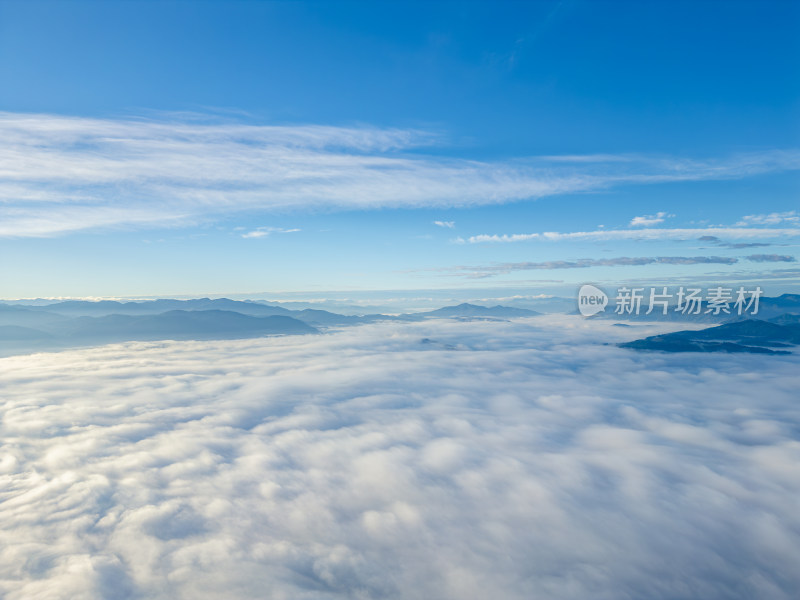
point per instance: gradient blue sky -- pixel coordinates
(202, 148)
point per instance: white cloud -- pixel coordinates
(775, 218)
(530, 461)
(649, 220)
(446, 224)
(265, 231)
(60, 174)
(636, 234)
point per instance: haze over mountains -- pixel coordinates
(37, 326)
(69, 323)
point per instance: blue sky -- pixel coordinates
(196, 148)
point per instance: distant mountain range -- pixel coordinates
(27, 328)
(181, 324)
(151, 307)
(34, 327)
(776, 336)
(173, 325)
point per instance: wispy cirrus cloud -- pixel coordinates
(445, 224)
(775, 218)
(735, 245)
(771, 258)
(60, 174)
(261, 232)
(636, 234)
(480, 272)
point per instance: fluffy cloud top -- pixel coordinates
(510, 460)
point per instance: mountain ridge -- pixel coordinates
(751, 335)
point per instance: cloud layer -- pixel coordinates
(639, 234)
(771, 258)
(510, 460)
(61, 174)
(621, 261)
(482, 272)
(789, 217)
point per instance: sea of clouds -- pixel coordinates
(441, 459)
